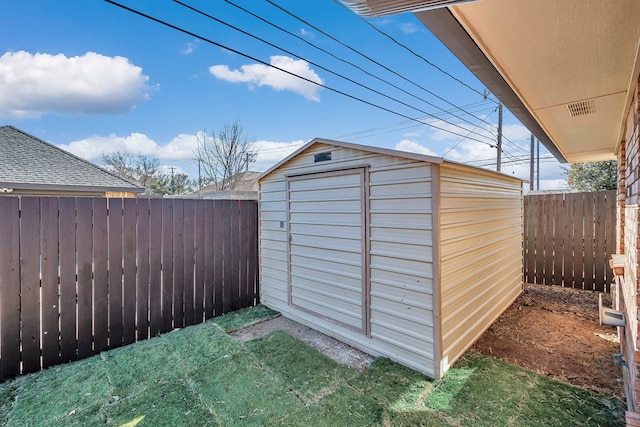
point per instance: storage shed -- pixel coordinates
(401, 255)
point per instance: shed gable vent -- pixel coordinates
(581, 108)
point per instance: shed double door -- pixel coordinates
(327, 214)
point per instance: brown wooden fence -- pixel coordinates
(569, 238)
(83, 275)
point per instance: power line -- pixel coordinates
(392, 127)
(293, 15)
(459, 142)
(415, 53)
(350, 80)
(266, 21)
(230, 49)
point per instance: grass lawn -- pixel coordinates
(200, 376)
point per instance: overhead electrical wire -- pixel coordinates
(417, 55)
(392, 127)
(293, 15)
(315, 64)
(230, 49)
(459, 142)
(321, 49)
(414, 53)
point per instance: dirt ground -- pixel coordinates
(555, 331)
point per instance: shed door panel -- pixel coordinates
(326, 245)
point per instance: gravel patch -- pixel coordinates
(338, 351)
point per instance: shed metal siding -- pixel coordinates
(481, 253)
(400, 272)
(326, 246)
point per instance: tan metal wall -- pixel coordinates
(327, 245)
(481, 253)
(399, 248)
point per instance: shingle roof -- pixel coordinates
(245, 181)
(29, 162)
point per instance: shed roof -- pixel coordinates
(379, 150)
(28, 162)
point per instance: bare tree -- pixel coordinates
(223, 156)
(141, 169)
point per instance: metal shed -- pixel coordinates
(401, 255)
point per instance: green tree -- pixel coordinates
(179, 183)
(593, 176)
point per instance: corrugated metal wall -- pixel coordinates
(399, 244)
(480, 250)
(327, 250)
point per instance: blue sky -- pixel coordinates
(93, 78)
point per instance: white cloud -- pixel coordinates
(515, 161)
(408, 28)
(188, 49)
(262, 75)
(414, 147)
(32, 85)
(179, 149)
(270, 153)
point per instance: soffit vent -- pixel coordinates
(582, 108)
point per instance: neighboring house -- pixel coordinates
(568, 70)
(30, 166)
(245, 187)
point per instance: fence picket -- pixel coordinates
(198, 296)
(218, 248)
(115, 215)
(155, 266)
(599, 250)
(178, 263)
(558, 238)
(50, 291)
(30, 280)
(84, 244)
(10, 287)
(68, 291)
(209, 259)
(189, 261)
(100, 276)
(129, 220)
(167, 265)
(142, 277)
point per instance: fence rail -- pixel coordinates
(569, 238)
(82, 275)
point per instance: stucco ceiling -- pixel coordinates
(566, 68)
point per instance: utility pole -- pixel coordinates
(499, 159)
(199, 177)
(172, 186)
(531, 164)
(538, 172)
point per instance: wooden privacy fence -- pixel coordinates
(569, 238)
(83, 275)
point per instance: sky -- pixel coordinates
(94, 78)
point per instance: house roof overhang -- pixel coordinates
(566, 69)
